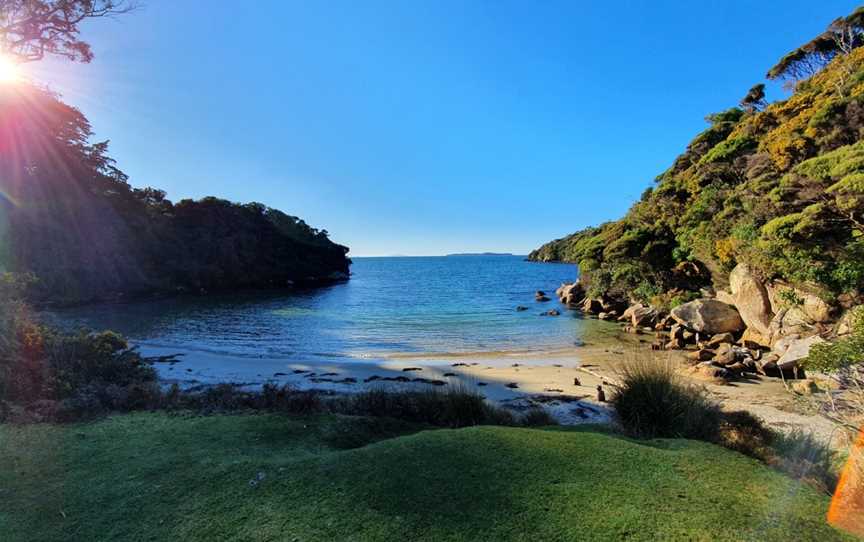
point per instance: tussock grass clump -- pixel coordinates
(651, 401)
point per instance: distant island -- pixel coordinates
(480, 254)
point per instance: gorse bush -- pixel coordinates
(652, 402)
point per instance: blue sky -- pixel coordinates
(423, 127)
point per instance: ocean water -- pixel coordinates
(391, 308)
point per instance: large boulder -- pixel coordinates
(787, 322)
(750, 296)
(708, 316)
(795, 350)
(643, 316)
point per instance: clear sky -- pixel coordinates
(423, 127)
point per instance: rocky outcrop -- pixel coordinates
(708, 316)
(570, 294)
(592, 306)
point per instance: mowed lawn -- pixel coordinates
(272, 477)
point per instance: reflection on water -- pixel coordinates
(390, 306)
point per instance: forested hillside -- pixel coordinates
(69, 217)
(778, 187)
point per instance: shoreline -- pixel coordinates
(541, 379)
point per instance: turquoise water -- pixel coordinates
(390, 307)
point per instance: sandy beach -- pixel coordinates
(564, 381)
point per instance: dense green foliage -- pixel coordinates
(68, 215)
(60, 376)
(779, 187)
(842, 354)
(275, 477)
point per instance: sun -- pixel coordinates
(9, 72)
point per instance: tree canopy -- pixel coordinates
(841, 36)
(32, 29)
(69, 216)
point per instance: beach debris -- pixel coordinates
(460, 364)
(408, 369)
(482, 384)
(553, 390)
(601, 395)
(299, 371)
(512, 385)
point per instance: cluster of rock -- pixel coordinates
(752, 328)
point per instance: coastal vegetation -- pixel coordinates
(774, 186)
(158, 476)
(71, 219)
(749, 250)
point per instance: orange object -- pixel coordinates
(847, 506)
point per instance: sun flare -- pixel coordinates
(9, 72)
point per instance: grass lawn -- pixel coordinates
(176, 477)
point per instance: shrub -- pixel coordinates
(843, 353)
(652, 402)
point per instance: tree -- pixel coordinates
(31, 29)
(842, 36)
(754, 100)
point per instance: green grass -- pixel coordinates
(162, 477)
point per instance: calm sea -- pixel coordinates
(390, 307)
